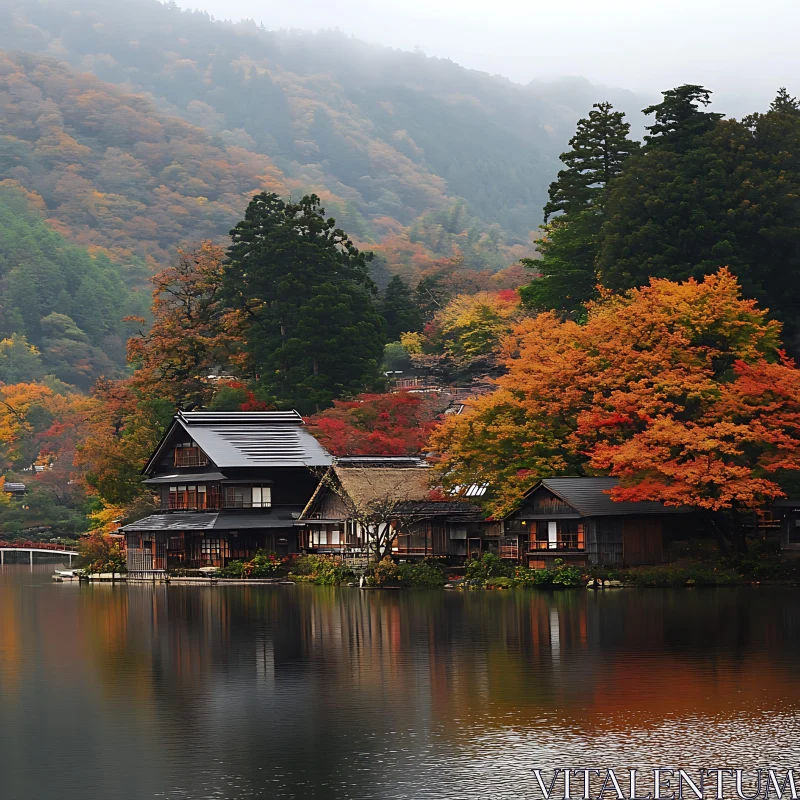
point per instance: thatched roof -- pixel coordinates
(404, 491)
(370, 485)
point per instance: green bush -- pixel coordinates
(233, 569)
(525, 577)
(558, 576)
(427, 574)
(262, 565)
(384, 573)
(489, 565)
(670, 575)
(322, 570)
(100, 553)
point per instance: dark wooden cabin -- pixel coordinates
(785, 513)
(575, 519)
(228, 484)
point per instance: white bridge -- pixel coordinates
(58, 551)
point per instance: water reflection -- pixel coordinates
(232, 692)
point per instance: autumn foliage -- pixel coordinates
(193, 335)
(679, 389)
(377, 424)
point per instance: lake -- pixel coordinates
(111, 691)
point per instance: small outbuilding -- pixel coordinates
(786, 513)
(16, 491)
(576, 520)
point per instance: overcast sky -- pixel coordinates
(733, 46)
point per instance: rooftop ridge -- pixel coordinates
(240, 417)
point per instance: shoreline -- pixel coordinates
(450, 586)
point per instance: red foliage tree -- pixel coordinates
(377, 424)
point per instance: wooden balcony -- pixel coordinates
(212, 504)
(572, 546)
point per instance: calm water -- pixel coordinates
(307, 692)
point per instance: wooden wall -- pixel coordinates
(642, 540)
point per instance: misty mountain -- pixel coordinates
(384, 136)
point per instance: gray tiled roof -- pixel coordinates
(173, 522)
(195, 477)
(589, 497)
(241, 522)
(240, 417)
(182, 521)
(436, 508)
(252, 439)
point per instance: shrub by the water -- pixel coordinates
(100, 553)
(262, 565)
(321, 570)
(559, 575)
(427, 574)
(489, 565)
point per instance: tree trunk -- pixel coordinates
(739, 531)
(717, 525)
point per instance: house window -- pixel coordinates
(262, 496)
(248, 497)
(213, 551)
(189, 454)
(509, 547)
(319, 537)
(234, 496)
(562, 534)
(322, 537)
(188, 497)
(794, 532)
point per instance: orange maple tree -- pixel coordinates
(678, 389)
(193, 335)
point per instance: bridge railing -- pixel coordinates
(37, 546)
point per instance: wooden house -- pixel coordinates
(785, 514)
(228, 484)
(361, 497)
(15, 491)
(576, 520)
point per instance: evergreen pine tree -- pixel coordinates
(569, 247)
(600, 146)
(314, 332)
(678, 119)
(784, 103)
(567, 270)
(398, 308)
(708, 193)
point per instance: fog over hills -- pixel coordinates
(417, 156)
(741, 53)
(413, 153)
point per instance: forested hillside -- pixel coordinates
(113, 173)
(61, 307)
(416, 157)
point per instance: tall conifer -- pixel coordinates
(314, 333)
(600, 147)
